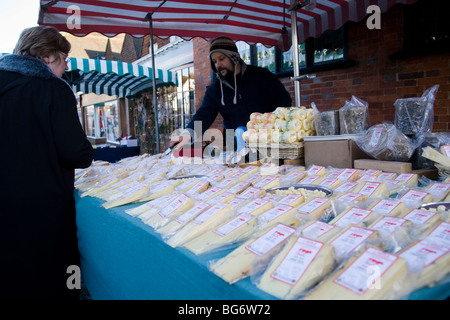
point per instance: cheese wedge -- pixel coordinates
(430, 259)
(314, 179)
(331, 183)
(134, 194)
(409, 179)
(372, 189)
(100, 186)
(316, 170)
(387, 176)
(292, 177)
(279, 213)
(199, 187)
(251, 192)
(255, 207)
(297, 268)
(221, 197)
(178, 222)
(208, 219)
(345, 187)
(319, 230)
(315, 208)
(237, 264)
(438, 190)
(292, 200)
(229, 233)
(422, 219)
(159, 190)
(173, 209)
(134, 212)
(370, 275)
(436, 156)
(414, 198)
(354, 215)
(349, 175)
(268, 182)
(386, 207)
(239, 187)
(351, 239)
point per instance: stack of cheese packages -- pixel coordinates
(284, 125)
(441, 158)
(367, 239)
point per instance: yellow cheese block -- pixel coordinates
(159, 190)
(100, 186)
(386, 207)
(409, 179)
(438, 190)
(372, 189)
(251, 192)
(292, 178)
(349, 175)
(297, 268)
(255, 207)
(319, 230)
(268, 182)
(354, 215)
(208, 219)
(150, 204)
(239, 187)
(350, 197)
(370, 275)
(315, 208)
(312, 179)
(345, 187)
(293, 200)
(133, 194)
(237, 264)
(352, 239)
(279, 213)
(173, 209)
(431, 259)
(415, 198)
(436, 156)
(221, 197)
(316, 170)
(178, 222)
(422, 219)
(331, 183)
(229, 233)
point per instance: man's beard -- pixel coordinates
(229, 76)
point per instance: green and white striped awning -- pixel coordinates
(114, 77)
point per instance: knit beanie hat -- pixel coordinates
(226, 46)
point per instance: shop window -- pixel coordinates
(102, 121)
(426, 29)
(326, 52)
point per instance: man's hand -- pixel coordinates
(180, 141)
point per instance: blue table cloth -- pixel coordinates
(122, 258)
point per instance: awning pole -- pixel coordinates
(296, 66)
(155, 108)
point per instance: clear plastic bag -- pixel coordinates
(354, 116)
(385, 142)
(326, 122)
(415, 116)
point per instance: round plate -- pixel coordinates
(310, 187)
(435, 205)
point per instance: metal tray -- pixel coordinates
(435, 205)
(310, 187)
(198, 176)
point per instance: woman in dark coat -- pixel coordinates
(42, 143)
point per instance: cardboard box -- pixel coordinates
(338, 153)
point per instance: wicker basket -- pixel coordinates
(279, 150)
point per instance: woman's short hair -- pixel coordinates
(40, 42)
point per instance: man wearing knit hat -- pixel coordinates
(237, 91)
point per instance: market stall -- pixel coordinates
(126, 254)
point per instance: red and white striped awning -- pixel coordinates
(252, 21)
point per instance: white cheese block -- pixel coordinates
(279, 213)
(251, 192)
(414, 198)
(349, 175)
(422, 219)
(436, 156)
(208, 219)
(370, 275)
(409, 179)
(351, 197)
(238, 263)
(438, 190)
(268, 182)
(345, 187)
(316, 170)
(150, 204)
(159, 190)
(293, 200)
(319, 230)
(297, 268)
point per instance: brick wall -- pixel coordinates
(374, 78)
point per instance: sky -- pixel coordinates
(16, 15)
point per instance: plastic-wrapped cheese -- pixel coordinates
(371, 275)
(297, 268)
(279, 213)
(280, 112)
(386, 207)
(422, 219)
(316, 170)
(252, 125)
(268, 182)
(149, 205)
(315, 208)
(251, 192)
(372, 189)
(237, 264)
(354, 215)
(349, 175)
(438, 190)
(264, 135)
(319, 230)
(284, 137)
(295, 113)
(288, 125)
(210, 218)
(415, 198)
(256, 116)
(166, 187)
(330, 182)
(174, 208)
(409, 179)
(430, 260)
(306, 124)
(133, 194)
